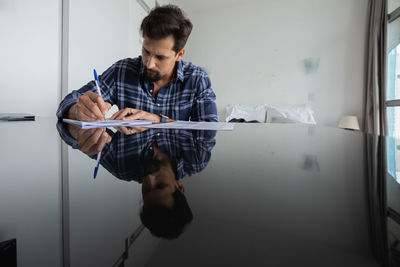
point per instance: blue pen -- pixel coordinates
(97, 82)
(96, 169)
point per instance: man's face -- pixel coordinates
(159, 58)
(159, 184)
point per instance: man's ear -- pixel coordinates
(180, 54)
(180, 187)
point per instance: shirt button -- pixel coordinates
(151, 91)
(150, 148)
(158, 104)
(158, 134)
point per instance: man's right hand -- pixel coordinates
(91, 107)
(92, 141)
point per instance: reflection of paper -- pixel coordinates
(106, 123)
(194, 125)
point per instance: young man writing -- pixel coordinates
(153, 86)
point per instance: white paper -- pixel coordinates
(106, 123)
(194, 125)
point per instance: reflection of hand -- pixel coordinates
(90, 107)
(92, 141)
(131, 129)
(135, 114)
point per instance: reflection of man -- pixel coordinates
(158, 159)
(157, 83)
(165, 211)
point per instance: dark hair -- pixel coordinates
(167, 223)
(165, 21)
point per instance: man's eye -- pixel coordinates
(160, 57)
(160, 186)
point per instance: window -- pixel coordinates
(393, 90)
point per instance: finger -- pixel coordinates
(91, 151)
(84, 114)
(143, 115)
(140, 129)
(125, 112)
(135, 116)
(102, 141)
(92, 140)
(136, 129)
(115, 115)
(87, 147)
(96, 98)
(107, 107)
(91, 106)
(83, 135)
(123, 130)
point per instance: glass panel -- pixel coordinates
(392, 5)
(393, 157)
(393, 74)
(393, 115)
(393, 34)
(393, 67)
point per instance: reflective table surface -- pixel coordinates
(261, 195)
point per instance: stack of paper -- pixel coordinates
(189, 125)
(106, 123)
(194, 125)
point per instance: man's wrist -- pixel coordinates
(163, 118)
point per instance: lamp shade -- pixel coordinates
(349, 122)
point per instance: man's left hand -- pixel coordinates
(135, 114)
(131, 129)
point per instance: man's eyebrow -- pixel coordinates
(148, 52)
(159, 186)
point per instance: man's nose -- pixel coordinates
(150, 62)
(151, 180)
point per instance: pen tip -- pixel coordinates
(95, 172)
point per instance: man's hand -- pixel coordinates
(131, 129)
(91, 107)
(92, 141)
(135, 114)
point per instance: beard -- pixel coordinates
(152, 165)
(152, 75)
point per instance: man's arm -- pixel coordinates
(85, 103)
(204, 106)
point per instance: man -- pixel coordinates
(154, 86)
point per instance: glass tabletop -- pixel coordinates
(262, 194)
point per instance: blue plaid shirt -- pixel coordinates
(125, 155)
(187, 97)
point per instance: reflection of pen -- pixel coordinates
(96, 169)
(96, 78)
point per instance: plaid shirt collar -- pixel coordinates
(179, 71)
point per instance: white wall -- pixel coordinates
(30, 35)
(254, 51)
(98, 37)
